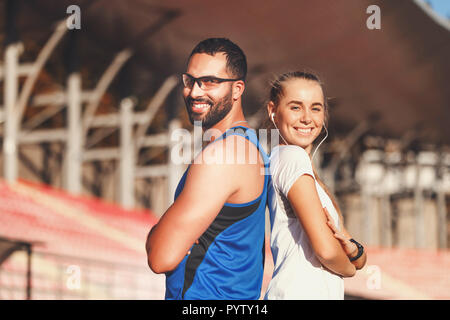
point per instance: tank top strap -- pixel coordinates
(250, 135)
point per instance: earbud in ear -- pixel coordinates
(272, 115)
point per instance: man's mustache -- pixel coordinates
(190, 101)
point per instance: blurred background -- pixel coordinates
(91, 94)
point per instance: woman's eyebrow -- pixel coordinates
(296, 102)
(301, 103)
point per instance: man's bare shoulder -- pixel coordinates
(233, 150)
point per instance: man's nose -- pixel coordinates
(196, 91)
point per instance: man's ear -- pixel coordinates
(238, 89)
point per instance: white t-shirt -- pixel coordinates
(298, 274)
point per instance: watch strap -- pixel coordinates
(360, 250)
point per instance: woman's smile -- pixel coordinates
(303, 131)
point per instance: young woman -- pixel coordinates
(312, 251)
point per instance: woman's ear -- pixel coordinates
(271, 109)
(238, 89)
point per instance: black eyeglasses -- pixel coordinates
(205, 83)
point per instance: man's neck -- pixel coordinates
(232, 119)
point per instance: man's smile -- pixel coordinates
(200, 107)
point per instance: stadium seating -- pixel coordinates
(105, 241)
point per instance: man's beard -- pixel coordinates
(217, 111)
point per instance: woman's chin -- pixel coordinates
(304, 143)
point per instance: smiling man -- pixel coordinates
(210, 242)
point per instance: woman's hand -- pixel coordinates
(349, 247)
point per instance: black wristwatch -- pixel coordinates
(360, 250)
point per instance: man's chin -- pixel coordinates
(196, 120)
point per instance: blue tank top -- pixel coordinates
(228, 261)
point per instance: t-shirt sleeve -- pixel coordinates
(287, 165)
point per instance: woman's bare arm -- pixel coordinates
(305, 201)
(344, 237)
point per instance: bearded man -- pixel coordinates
(210, 242)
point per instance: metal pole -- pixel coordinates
(42, 58)
(441, 207)
(108, 76)
(174, 171)
(10, 164)
(29, 284)
(127, 150)
(73, 148)
(418, 208)
(386, 228)
(152, 108)
(366, 201)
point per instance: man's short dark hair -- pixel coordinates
(236, 60)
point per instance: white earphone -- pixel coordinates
(272, 116)
(314, 153)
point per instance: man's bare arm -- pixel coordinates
(207, 188)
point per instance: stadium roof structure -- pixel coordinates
(395, 78)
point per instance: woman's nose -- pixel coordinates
(305, 117)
